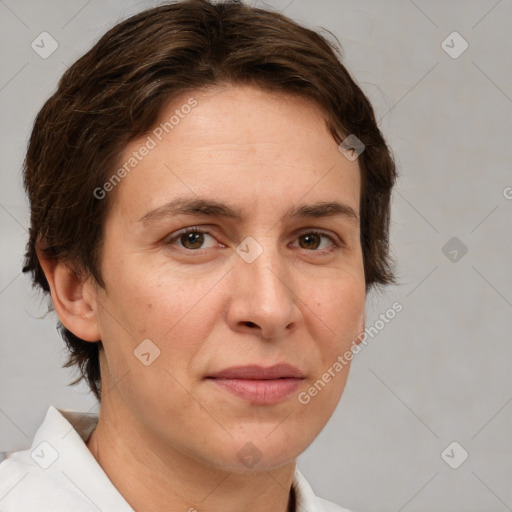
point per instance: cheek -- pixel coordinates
(336, 309)
(173, 309)
(336, 312)
(153, 327)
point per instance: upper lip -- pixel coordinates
(255, 372)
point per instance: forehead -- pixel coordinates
(258, 147)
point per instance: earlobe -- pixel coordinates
(73, 296)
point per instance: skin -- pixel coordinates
(208, 310)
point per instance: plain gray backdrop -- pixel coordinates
(439, 372)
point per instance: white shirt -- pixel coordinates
(59, 473)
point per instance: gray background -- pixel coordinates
(437, 373)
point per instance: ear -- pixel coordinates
(74, 297)
(360, 327)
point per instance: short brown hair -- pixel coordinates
(115, 92)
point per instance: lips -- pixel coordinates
(278, 371)
(258, 384)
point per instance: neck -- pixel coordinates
(154, 476)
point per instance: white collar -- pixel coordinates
(61, 440)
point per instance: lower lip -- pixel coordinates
(260, 391)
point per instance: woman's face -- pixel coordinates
(273, 276)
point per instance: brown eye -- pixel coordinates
(312, 240)
(191, 239)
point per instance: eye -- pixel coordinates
(312, 240)
(191, 239)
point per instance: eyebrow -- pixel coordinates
(212, 208)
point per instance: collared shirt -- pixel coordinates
(59, 473)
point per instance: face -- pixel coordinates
(193, 323)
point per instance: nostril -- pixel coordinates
(250, 324)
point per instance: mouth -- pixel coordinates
(258, 384)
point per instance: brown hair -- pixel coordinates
(115, 92)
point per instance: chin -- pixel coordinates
(260, 451)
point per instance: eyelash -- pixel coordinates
(335, 244)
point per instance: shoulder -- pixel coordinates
(307, 499)
(23, 487)
(329, 506)
(57, 473)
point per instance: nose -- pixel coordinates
(263, 299)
